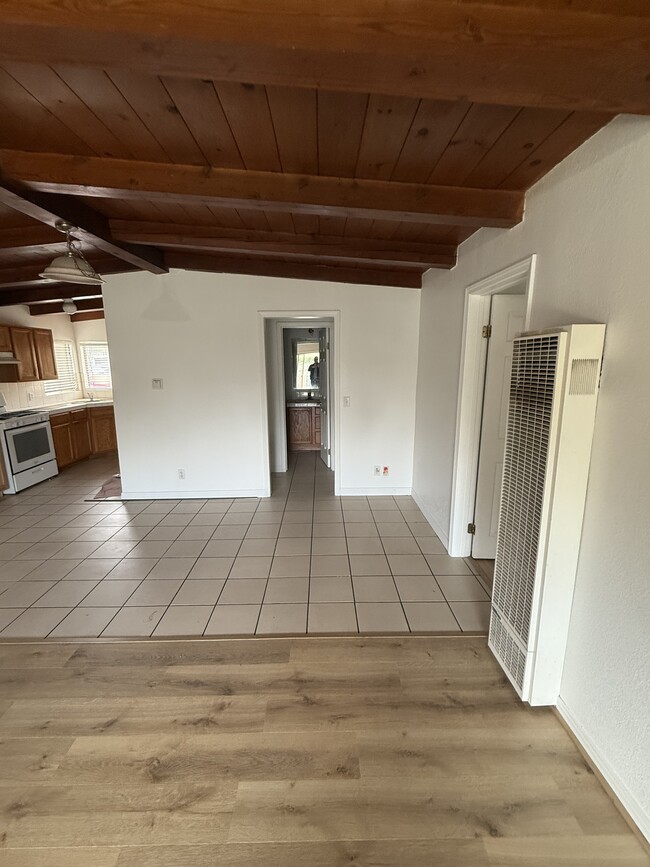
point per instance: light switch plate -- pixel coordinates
(157, 383)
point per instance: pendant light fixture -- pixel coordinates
(72, 267)
(69, 306)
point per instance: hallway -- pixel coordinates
(302, 561)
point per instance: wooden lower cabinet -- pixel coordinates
(4, 480)
(80, 433)
(303, 428)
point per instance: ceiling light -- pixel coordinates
(72, 267)
(69, 306)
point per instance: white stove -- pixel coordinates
(27, 447)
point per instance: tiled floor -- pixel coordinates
(301, 561)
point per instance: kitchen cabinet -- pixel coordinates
(62, 438)
(102, 429)
(4, 481)
(303, 428)
(81, 445)
(5, 339)
(44, 348)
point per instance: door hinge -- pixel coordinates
(487, 331)
(471, 529)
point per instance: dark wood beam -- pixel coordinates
(28, 275)
(583, 55)
(286, 245)
(43, 292)
(89, 314)
(307, 194)
(26, 237)
(83, 304)
(92, 227)
(297, 270)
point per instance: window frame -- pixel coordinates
(87, 385)
(57, 386)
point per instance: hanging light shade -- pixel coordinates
(69, 306)
(72, 267)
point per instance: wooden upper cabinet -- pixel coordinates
(44, 347)
(5, 339)
(22, 341)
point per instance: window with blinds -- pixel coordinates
(95, 365)
(66, 367)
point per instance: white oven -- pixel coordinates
(28, 450)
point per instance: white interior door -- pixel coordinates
(507, 314)
(324, 344)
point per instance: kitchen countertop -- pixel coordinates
(76, 404)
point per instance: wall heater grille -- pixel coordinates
(552, 405)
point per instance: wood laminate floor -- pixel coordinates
(401, 751)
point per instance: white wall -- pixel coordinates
(202, 334)
(588, 223)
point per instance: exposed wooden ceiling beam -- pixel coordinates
(28, 275)
(307, 194)
(92, 227)
(298, 270)
(83, 304)
(286, 245)
(583, 55)
(85, 316)
(43, 292)
(28, 236)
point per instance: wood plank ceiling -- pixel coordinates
(272, 177)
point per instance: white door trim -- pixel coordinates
(296, 319)
(470, 393)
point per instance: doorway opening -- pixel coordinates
(496, 309)
(300, 356)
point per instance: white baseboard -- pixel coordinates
(631, 803)
(193, 495)
(374, 492)
(440, 532)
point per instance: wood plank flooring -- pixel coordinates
(403, 751)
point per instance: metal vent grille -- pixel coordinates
(534, 365)
(507, 649)
(584, 376)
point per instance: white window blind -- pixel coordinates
(96, 366)
(66, 368)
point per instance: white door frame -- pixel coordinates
(470, 393)
(297, 319)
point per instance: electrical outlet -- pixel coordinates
(157, 383)
(377, 470)
(386, 471)
(30, 397)
(346, 401)
(181, 474)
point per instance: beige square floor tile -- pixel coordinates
(332, 617)
(22, 594)
(302, 517)
(233, 620)
(203, 592)
(441, 564)
(349, 503)
(251, 567)
(361, 531)
(154, 593)
(212, 567)
(163, 534)
(90, 570)
(257, 548)
(65, 594)
(369, 564)
(329, 531)
(172, 568)
(222, 548)
(45, 550)
(14, 570)
(130, 622)
(11, 550)
(472, 616)
(148, 550)
(289, 619)
(461, 588)
(329, 547)
(381, 617)
(330, 566)
(331, 590)
(400, 545)
(430, 545)
(333, 516)
(8, 615)
(378, 588)
(232, 531)
(184, 620)
(108, 593)
(380, 503)
(130, 534)
(195, 533)
(430, 617)
(34, 534)
(243, 591)
(114, 549)
(127, 570)
(263, 531)
(295, 531)
(393, 528)
(423, 531)
(387, 515)
(293, 547)
(52, 570)
(285, 590)
(290, 567)
(418, 588)
(84, 623)
(231, 519)
(361, 516)
(81, 550)
(408, 564)
(35, 623)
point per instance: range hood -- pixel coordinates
(8, 358)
